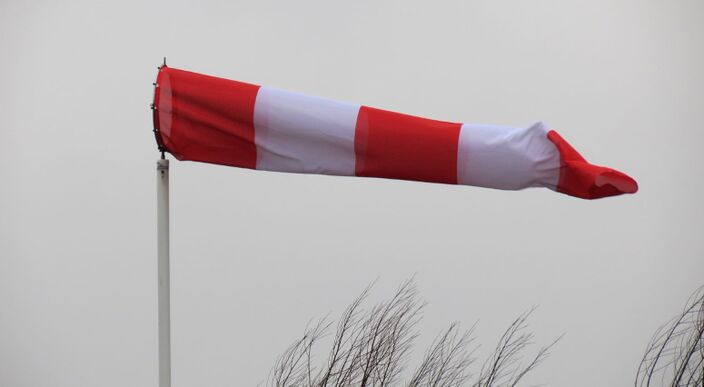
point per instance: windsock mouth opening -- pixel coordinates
(161, 109)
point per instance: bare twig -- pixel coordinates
(371, 347)
(504, 367)
(675, 355)
(446, 363)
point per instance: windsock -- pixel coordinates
(214, 120)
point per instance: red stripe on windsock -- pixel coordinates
(399, 146)
(204, 118)
(588, 181)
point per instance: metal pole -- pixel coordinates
(162, 196)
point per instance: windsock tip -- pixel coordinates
(622, 182)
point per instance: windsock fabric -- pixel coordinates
(214, 120)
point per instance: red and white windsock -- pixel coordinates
(214, 120)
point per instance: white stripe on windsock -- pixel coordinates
(507, 158)
(301, 133)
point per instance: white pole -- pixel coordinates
(162, 196)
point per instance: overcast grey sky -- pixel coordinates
(256, 255)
